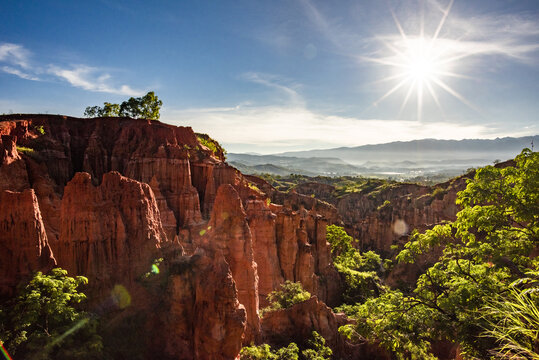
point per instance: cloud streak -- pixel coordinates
(15, 59)
(14, 54)
(270, 129)
(91, 79)
(276, 83)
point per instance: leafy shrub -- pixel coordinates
(318, 349)
(264, 352)
(290, 293)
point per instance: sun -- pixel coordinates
(419, 64)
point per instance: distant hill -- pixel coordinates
(426, 150)
(285, 165)
(401, 159)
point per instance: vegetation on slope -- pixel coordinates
(316, 350)
(486, 250)
(343, 185)
(289, 294)
(212, 145)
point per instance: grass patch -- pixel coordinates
(211, 144)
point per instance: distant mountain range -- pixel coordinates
(402, 158)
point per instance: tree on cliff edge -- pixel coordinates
(146, 107)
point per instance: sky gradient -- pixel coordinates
(273, 76)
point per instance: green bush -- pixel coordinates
(290, 293)
(264, 352)
(318, 349)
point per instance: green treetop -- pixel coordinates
(146, 107)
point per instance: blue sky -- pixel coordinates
(272, 76)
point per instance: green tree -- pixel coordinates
(146, 107)
(92, 111)
(358, 270)
(110, 110)
(43, 323)
(484, 251)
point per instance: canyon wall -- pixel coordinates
(163, 226)
(151, 216)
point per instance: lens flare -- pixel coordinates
(420, 64)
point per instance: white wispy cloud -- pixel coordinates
(14, 54)
(510, 35)
(272, 129)
(19, 73)
(91, 79)
(276, 83)
(16, 60)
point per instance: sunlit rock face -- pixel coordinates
(110, 232)
(23, 241)
(376, 225)
(160, 225)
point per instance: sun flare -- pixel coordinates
(420, 64)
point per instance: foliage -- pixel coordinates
(513, 320)
(343, 185)
(264, 352)
(211, 144)
(318, 349)
(438, 193)
(24, 150)
(484, 250)
(42, 322)
(385, 205)
(40, 129)
(290, 293)
(359, 270)
(146, 107)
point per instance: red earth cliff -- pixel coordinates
(115, 195)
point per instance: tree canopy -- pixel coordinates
(146, 107)
(42, 322)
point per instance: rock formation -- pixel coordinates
(113, 196)
(197, 245)
(23, 242)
